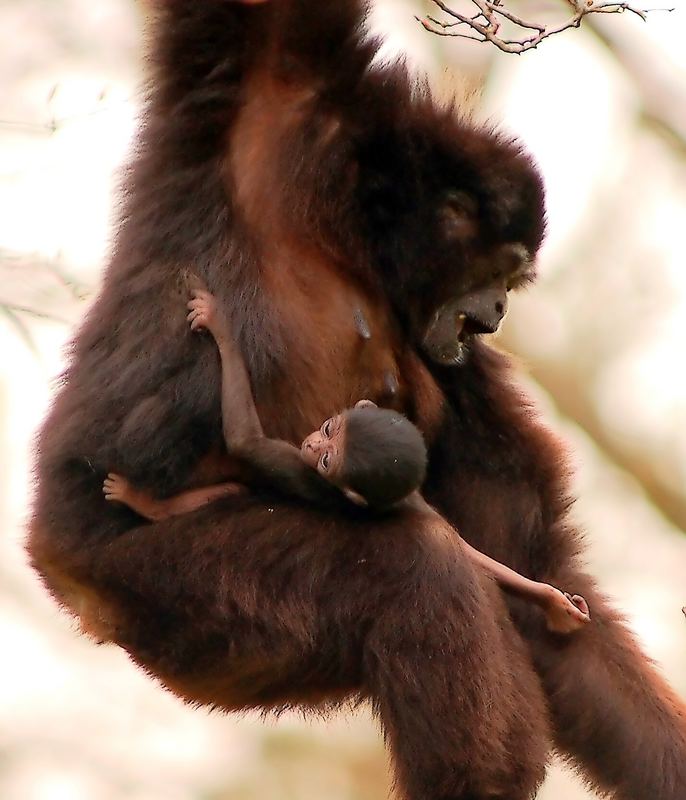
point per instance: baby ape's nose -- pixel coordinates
(312, 442)
(310, 448)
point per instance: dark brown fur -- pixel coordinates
(302, 186)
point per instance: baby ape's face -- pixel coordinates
(375, 456)
(324, 450)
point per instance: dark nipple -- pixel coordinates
(361, 324)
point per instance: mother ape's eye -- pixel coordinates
(325, 461)
(326, 429)
(463, 202)
(458, 216)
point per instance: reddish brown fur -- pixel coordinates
(297, 212)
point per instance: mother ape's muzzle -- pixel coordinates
(476, 312)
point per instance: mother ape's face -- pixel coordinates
(476, 245)
(477, 305)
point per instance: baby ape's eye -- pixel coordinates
(326, 429)
(325, 461)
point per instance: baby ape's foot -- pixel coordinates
(118, 490)
(565, 613)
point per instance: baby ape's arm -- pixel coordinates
(269, 463)
(564, 612)
(240, 421)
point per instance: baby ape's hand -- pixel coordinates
(565, 613)
(203, 311)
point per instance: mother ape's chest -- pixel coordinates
(333, 345)
(339, 344)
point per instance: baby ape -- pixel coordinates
(338, 217)
(372, 457)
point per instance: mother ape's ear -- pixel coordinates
(365, 404)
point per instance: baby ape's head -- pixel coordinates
(372, 454)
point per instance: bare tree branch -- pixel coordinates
(662, 94)
(486, 24)
(563, 386)
(20, 326)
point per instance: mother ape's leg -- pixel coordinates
(461, 707)
(244, 605)
(612, 711)
(503, 482)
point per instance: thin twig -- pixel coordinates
(55, 124)
(20, 326)
(485, 25)
(14, 308)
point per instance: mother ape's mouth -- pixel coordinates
(448, 336)
(467, 325)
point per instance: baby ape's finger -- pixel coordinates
(581, 604)
(200, 307)
(198, 323)
(579, 616)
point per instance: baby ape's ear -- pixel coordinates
(353, 496)
(365, 404)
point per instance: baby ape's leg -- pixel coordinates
(117, 489)
(461, 707)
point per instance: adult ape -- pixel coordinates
(331, 212)
(252, 601)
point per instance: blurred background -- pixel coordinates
(601, 341)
